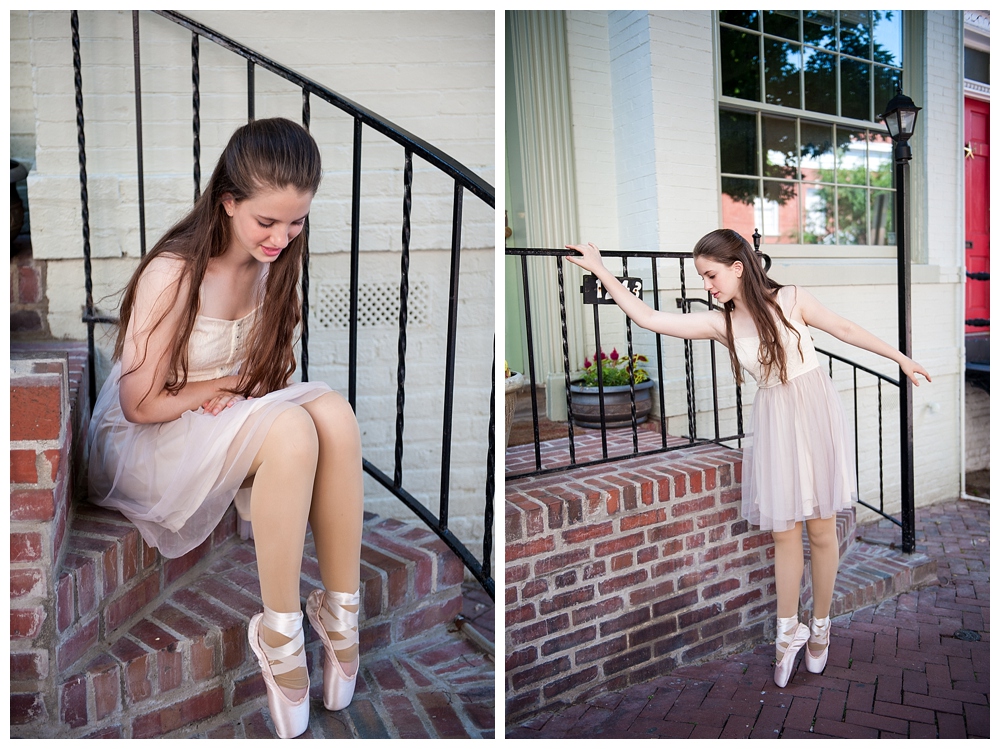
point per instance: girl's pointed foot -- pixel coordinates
(337, 626)
(818, 648)
(289, 704)
(792, 635)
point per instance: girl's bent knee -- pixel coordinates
(334, 417)
(295, 432)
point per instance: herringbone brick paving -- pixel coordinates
(438, 685)
(896, 670)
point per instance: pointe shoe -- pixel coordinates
(338, 687)
(794, 638)
(290, 717)
(819, 635)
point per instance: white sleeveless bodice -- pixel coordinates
(217, 347)
(747, 349)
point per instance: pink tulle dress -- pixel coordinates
(175, 480)
(798, 460)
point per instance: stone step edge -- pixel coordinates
(195, 641)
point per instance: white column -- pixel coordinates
(541, 85)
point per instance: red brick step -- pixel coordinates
(166, 648)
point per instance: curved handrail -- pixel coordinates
(469, 179)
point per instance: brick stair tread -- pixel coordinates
(871, 573)
(168, 643)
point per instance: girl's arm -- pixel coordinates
(695, 325)
(142, 394)
(818, 316)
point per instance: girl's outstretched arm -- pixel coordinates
(818, 316)
(696, 325)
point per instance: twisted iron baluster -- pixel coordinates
(196, 119)
(74, 21)
(659, 354)
(138, 132)
(565, 352)
(404, 271)
(629, 368)
(688, 364)
(739, 416)
(490, 470)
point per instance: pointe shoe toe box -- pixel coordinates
(290, 717)
(783, 668)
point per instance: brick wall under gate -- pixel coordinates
(620, 572)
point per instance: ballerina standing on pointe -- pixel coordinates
(199, 411)
(797, 463)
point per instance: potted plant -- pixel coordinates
(618, 373)
(513, 384)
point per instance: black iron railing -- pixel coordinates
(465, 181)
(659, 441)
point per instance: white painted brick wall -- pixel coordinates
(593, 136)
(22, 120)
(432, 73)
(942, 122)
(685, 128)
(633, 121)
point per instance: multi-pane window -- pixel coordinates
(803, 155)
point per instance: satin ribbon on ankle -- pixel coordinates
(292, 655)
(338, 619)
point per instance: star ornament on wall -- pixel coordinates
(968, 151)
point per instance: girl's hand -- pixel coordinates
(589, 257)
(911, 369)
(214, 406)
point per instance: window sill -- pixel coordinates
(855, 272)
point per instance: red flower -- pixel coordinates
(614, 354)
(586, 363)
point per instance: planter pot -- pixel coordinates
(586, 402)
(512, 388)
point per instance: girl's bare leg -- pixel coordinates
(337, 510)
(790, 635)
(283, 473)
(825, 556)
(788, 565)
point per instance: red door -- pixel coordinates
(977, 211)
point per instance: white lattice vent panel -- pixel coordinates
(378, 305)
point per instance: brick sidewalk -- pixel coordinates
(895, 670)
(438, 685)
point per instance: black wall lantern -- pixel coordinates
(900, 119)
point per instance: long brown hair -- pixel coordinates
(263, 154)
(760, 294)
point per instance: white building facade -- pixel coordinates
(644, 131)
